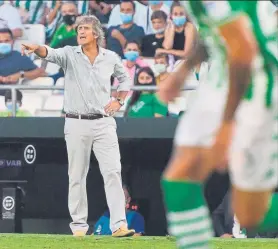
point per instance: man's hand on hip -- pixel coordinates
(112, 107)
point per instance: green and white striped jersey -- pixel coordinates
(34, 8)
(209, 15)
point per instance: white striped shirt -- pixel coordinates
(35, 9)
(87, 86)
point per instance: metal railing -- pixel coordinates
(13, 89)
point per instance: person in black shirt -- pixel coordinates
(180, 34)
(154, 41)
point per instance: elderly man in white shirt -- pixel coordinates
(89, 122)
(10, 18)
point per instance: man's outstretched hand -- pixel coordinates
(27, 49)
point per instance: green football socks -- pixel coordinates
(187, 214)
(270, 222)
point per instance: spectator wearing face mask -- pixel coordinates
(145, 104)
(9, 106)
(132, 62)
(119, 35)
(67, 28)
(140, 15)
(10, 18)
(14, 66)
(154, 41)
(161, 63)
(155, 6)
(180, 34)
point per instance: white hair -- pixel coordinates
(97, 28)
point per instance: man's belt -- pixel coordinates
(84, 116)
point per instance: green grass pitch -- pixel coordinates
(28, 241)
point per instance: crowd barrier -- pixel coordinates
(13, 89)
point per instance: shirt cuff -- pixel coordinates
(48, 52)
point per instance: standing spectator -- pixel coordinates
(14, 66)
(161, 63)
(134, 219)
(145, 104)
(180, 34)
(154, 41)
(9, 106)
(33, 11)
(67, 28)
(155, 6)
(119, 35)
(10, 18)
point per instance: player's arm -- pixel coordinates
(173, 83)
(242, 49)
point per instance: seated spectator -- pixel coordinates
(140, 16)
(101, 9)
(180, 34)
(32, 12)
(54, 18)
(9, 106)
(10, 18)
(67, 28)
(145, 104)
(14, 66)
(119, 35)
(154, 41)
(155, 6)
(161, 63)
(134, 219)
(133, 61)
(224, 222)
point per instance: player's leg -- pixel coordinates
(79, 145)
(254, 170)
(187, 212)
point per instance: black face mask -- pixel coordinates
(69, 19)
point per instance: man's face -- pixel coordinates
(158, 24)
(85, 34)
(127, 8)
(6, 44)
(6, 38)
(68, 9)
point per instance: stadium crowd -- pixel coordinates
(150, 37)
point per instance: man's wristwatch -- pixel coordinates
(121, 102)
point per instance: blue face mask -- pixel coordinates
(179, 20)
(5, 48)
(9, 106)
(126, 18)
(154, 2)
(131, 55)
(168, 3)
